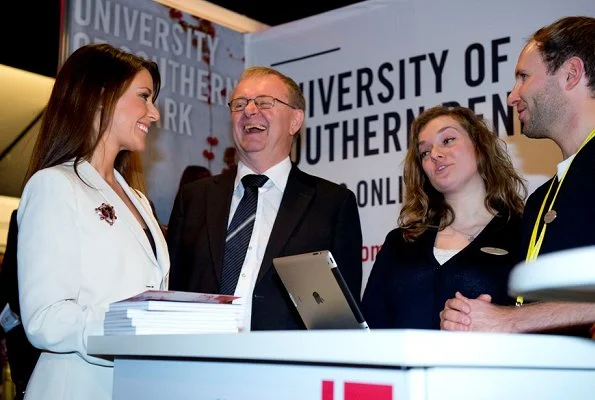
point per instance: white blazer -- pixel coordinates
(71, 266)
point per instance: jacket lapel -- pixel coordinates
(217, 217)
(123, 214)
(296, 198)
(161, 259)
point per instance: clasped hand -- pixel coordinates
(480, 315)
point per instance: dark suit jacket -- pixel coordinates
(314, 214)
(574, 225)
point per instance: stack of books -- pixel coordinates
(171, 312)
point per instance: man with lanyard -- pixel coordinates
(554, 94)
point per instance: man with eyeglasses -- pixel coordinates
(293, 212)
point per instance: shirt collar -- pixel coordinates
(278, 174)
(563, 166)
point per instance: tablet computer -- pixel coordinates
(319, 292)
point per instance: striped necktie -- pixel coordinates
(239, 233)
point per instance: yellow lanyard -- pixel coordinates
(535, 243)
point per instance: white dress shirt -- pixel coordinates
(563, 166)
(269, 200)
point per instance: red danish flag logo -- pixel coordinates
(358, 391)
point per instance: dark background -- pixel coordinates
(30, 31)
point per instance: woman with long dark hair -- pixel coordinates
(87, 235)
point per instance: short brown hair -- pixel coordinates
(565, 38)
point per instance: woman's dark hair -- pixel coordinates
(91, 81)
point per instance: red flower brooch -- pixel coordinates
(106, 213)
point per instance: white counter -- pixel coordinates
(410, 364)
(567, 275)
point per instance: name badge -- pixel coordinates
(494, 250)
(550, 216)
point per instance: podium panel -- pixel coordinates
(167, 379)
(195, 380)
(350, 365)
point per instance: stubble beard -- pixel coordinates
(548, 106)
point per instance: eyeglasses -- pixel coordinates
(261, 102)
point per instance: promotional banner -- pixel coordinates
(199, 62)
(369, 69)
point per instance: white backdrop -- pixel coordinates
(368, 69)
